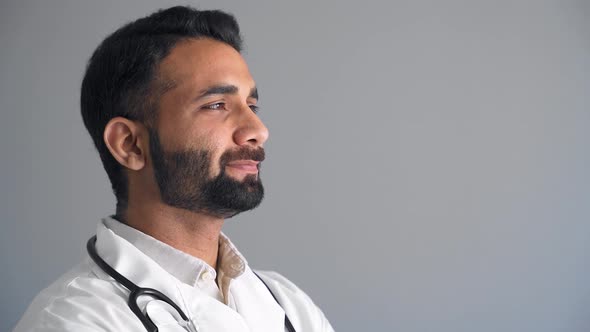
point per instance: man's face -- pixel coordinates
(207, 147)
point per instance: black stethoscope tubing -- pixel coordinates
(136, 291)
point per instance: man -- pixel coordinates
(171, 107)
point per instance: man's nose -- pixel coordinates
(251, 131)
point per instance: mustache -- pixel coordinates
(242, 154)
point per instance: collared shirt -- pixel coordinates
(187, 268)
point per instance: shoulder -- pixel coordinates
(301, 310)
(77, 301)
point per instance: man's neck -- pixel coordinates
(193, 233)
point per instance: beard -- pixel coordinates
(184, 181)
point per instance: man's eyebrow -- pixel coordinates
(218, 90)
(225, 89)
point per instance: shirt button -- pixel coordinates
(206, 276)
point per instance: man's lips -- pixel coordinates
(248, 166)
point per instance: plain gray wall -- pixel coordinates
(428, 163)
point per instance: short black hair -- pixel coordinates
(121, 73)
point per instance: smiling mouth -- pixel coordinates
(245, 166)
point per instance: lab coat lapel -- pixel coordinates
(256, 304)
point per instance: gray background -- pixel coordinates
(428, 164)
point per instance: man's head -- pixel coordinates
(169, 102)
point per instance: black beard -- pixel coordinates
(183, 180)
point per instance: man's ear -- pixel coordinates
(127, 142)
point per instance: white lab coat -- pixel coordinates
(87, 299)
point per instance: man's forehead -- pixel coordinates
(204, 62)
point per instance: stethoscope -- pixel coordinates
(136, 292)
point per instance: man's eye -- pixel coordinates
(254, 108)
(216, 106)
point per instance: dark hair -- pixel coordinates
(121, 75)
